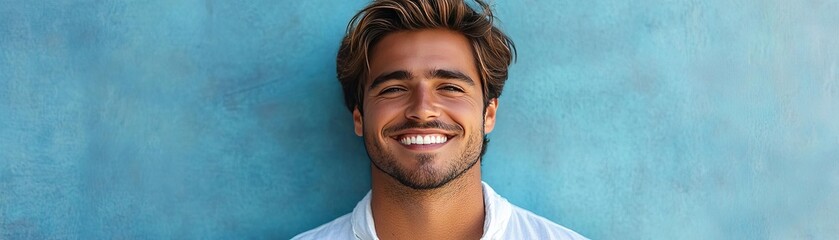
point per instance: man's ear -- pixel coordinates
(357, 122)
(489, 115)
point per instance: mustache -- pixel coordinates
(436, 124)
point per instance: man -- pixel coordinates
(422, 79)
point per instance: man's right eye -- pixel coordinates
(391, 90)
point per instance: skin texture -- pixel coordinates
(417, 85)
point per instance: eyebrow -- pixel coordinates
(436, 73)
(396, 75)
(451, 74)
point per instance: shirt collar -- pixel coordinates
(498, 211)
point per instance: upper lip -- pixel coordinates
(423, 132)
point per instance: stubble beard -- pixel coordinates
(425, 176)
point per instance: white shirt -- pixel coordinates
(503, 220)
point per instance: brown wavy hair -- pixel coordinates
(493, 50)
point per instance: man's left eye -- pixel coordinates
(452, 88)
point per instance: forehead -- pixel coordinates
(421, 51)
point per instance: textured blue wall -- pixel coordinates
(694, 119)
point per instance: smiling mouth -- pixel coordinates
(418, 141)
(422, 139)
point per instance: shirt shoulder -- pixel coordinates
(525, 224)
(340, 228)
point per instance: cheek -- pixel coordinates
(467, 113)
(377, 115)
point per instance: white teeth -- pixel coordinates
(427, 139)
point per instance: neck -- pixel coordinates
(453, 211)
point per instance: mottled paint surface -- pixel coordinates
(712, 119)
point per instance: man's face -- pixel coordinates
(423, 122)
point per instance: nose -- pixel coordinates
(422, 106)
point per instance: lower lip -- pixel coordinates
(422, 147)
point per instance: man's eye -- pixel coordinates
(391, 90)
(452, 89)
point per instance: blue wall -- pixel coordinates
(711, 119)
